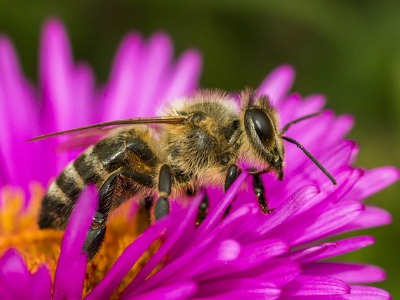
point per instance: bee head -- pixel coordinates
(262, 144)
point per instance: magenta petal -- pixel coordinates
(14, 274)
(156, 59)
(323, 223)
(289, 208)
(353, 273)
(373, 181)
(246, 287)
(167, 245)
(305, 285)
(126, 261)
(5, 294)
(277, 84)
(177, 291)
(71, 267)
(40, 284)
(56, 76)
(370, 217)
(241, 258)
(185, 76)
(19, 120)
(17, 283)
(120, 94)
(367, 293)
(280, 271)
(215, 215)
(332, 249)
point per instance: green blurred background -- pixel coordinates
(347, 50)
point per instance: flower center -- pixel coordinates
(19, 230)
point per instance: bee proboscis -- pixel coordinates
(199, 141)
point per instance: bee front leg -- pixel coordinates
(162, 207)
(259, 191)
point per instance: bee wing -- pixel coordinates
(79, 142)
(103, 128)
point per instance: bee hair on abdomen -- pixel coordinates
(94, 166)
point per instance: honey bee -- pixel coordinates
(198, 142)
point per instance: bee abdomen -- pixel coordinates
(62, 194)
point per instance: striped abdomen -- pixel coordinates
(125, 151)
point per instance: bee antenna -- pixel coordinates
(288, 125)
(310, 156)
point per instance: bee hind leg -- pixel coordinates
(97, 231)
(95, 236)
(111, 194)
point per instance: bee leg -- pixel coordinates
(95, 236)
(259, 191)
(203, 210)
(111, 194)
(143, 216)
(162, 207)
(148, 203)
(231, 175)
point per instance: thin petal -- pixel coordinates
(354, 273)
(167, 245)
(40, 284)
(319, 223)
(289, 208)
(177, 291)
(332, 249)
(126, 261)
(185, 76)
(14, 274)
(246, 287)
(155, 66)
(120, 93)
(370, 217)
(305, 285)
(55, 73)
(373, 181)
(215, 215)
(71, 267)
(19, 120)
(247, 257)
(367, 293)
(277, 84)
(280, 271)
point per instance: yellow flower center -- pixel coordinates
(19, 230)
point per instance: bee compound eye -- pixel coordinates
(261, 123)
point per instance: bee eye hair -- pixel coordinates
(261, 124)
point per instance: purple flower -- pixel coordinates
(246, 254)
(143, 75)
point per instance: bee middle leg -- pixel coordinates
(162, 207)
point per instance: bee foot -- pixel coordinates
(94, 239)
(162, 208)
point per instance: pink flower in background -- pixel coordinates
(143, 75)
(247, 254)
